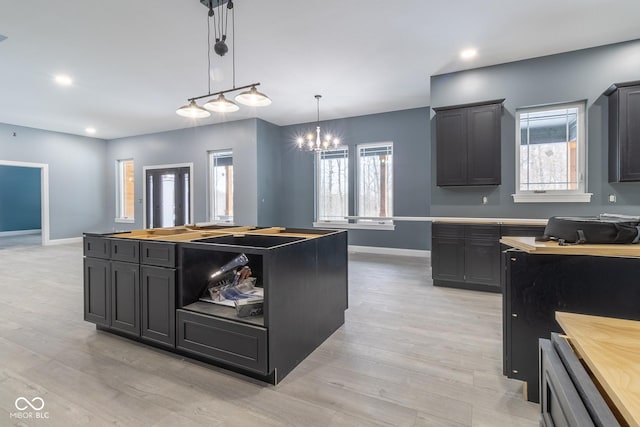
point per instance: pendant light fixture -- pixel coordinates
(316, 142)
(221, 104)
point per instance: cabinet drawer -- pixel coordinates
(488, 232)
(447, 230)
(127, 250)
(241, 345)
(560, 403)
(96, 247)
(162, 254)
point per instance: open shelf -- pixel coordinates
(223, 311)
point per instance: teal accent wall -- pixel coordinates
(20, 207)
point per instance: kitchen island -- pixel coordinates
(146, 285)
(544, 277)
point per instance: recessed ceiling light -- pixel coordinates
(90, 130)
(468, 53)
(63, 80)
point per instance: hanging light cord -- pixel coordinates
(209, 15)
(233, 42)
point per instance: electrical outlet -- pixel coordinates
(612, 198)
(485, 200)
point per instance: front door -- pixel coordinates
(168, 200)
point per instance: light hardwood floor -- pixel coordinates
(409, 354)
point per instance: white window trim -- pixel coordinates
(556, 196)
(326, 223)
(209, 195)
(118, 218)
(365, 222)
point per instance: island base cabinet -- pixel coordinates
(125, 297)
(97, 291)
(536, 286)
(158, 305)
(234, 343)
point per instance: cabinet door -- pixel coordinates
(97, 295)
(482, 261)
(447, 259)
(159, 304)
(629, 117)
(483, 144)
(125, 297)
(451, 147)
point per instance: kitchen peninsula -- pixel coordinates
(146, 285)
(544, 277)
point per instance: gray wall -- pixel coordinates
(190, 146)
(20, 194)
(409, 132)
(269, 173)
(572, 76)
(77, 190)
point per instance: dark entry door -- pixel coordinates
(168, 199)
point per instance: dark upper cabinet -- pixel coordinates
(624, 132)
(468, 144)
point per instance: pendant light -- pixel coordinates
(221, 104)
(315, 142)
(192, 110)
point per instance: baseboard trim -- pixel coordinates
(390, 251)
(19, 232)
(64, 241)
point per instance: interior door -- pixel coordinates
(168, 200)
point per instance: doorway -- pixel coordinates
(44, 199)
(168, 197)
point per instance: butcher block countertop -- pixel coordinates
(611, 349)
(529, 245)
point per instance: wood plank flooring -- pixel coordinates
(409, 354)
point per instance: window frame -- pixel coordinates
(211, 155)
(120, 216)
(316, 184)
(373, 222)
(562, 196)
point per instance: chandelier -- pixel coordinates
(221, 104)
(315, 142)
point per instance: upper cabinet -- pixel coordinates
(468, 139)
(624, 132)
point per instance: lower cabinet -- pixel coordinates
(466, 256)
(568, 395)
(125, 297)
(97, 291)
(235, 343)
(158, 304)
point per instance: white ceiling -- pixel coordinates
(135, 62)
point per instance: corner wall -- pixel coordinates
(572, 76)
(76, 175)
(409, 132)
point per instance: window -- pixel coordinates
(375, 181)
(124, 191)
(332, 185)
(221, 186)
(551, 154)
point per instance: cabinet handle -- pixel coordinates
(515, 371)
(514, 315)
(513, 259)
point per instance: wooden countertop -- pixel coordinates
(611, 349)
(529, 245)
